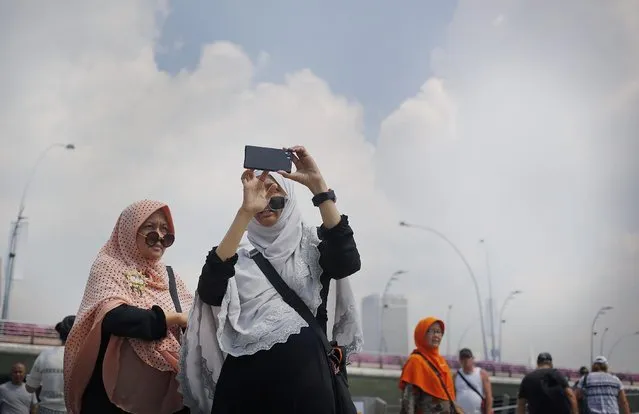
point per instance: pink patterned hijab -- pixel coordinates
(139, 376)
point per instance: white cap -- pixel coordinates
(601, 360)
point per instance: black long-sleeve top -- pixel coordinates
(128, 322)
(339, 258)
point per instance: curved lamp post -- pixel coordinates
(382, 338)
(618, 341)
(502, 321)
(470, 272)
(16, 226)
(603, 337)
(600, 312)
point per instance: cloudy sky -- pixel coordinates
(510, 121)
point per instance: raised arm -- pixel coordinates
(308, 174)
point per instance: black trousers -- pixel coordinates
(289, 378)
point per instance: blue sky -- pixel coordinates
(366, 51)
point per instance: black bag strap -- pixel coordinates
(173, 289)
(472, 387)
(453, 408)
(291, 298)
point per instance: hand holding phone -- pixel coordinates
(306, 172)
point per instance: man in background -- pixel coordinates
(601, 391)
(473, 390)
(546, 391)
(14, 398)
(46, 378)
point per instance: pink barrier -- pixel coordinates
(495, 368)
(18, 332)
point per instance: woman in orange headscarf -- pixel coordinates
(426, 382)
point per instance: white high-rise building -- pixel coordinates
(385, 325)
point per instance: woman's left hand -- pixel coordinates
(306, 171)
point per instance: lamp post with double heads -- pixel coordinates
(618, 341)
(600, 312)
(16, 227)
(384, 305)
(470, 272)
(502, 321)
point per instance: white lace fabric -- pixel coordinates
(256, 317)
(202, 356)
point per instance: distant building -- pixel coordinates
(392, 318)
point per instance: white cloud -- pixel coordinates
(503, 144)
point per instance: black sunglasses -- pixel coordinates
(153, 237)
(276, 203)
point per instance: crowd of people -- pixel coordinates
(428, 386)
(253, 337)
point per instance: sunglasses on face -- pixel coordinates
(276, 203)
(153, 237)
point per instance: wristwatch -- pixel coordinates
(318, 199)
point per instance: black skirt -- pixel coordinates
(289, 378)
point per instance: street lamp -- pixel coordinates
(592, 330)
(491, 306)
(502, 321)
(470, 272)
(621, 338)
(16, 226)
(603, 336)
(382, 338)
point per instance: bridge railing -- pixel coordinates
(375, 360)
(28, 333)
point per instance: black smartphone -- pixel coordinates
(267, 159)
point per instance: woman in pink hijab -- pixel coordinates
(122, 354)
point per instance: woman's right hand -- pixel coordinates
(256, 193)
(176, 318)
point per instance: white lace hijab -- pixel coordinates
(253, 317)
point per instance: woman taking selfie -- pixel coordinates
(426, 383)
(246, 350)
(122, 353)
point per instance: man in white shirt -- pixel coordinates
(14, 398)
(474, 393)
(47, 378)
(601, 391)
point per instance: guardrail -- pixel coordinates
(374, 360)
(509, 405)
(36, 334)
(28, 333)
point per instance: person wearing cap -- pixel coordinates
(602, 392)
(582, 371)
(545, 390)
(46, 377)
(472, 386)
